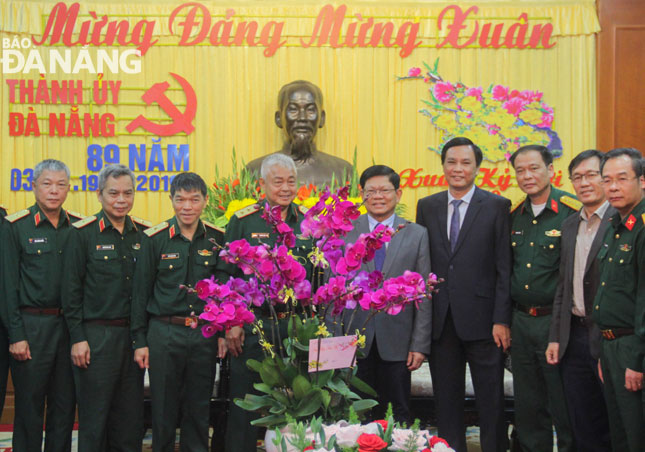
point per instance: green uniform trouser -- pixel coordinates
(4, 364)
(625, 408)
(109, 393)
(46, 376)
(241, 436)
(181, 380)
(537, 387)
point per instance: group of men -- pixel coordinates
(89, 303)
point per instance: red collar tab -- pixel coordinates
(631, 221)
(554, 205)
(101, 225)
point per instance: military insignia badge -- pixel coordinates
(170, 256)
(136, 246)
(625, 247)
(104, 247)
(553, 233)
(554, 205)
(204, 252)
(631, 221)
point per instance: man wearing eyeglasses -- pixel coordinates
(619, 306)
(574, 339)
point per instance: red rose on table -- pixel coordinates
(434, 440)
(369, 442)
(382, 423)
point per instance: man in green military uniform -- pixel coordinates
(34, 248)
(619, 305)
(97, 292)
(278, 181)
(4, 338)
(181, 360)
(535, 241)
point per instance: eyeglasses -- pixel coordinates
(620, 181)
(589, 175)
(382, 191)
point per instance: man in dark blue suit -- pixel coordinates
(470, 248)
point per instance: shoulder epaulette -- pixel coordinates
(84, 222)
(570, 202)
(212, 226)
(2, 207)
(516, 205)
(643, 217)
(17, 216)
(247, 211)
(155, 229)
(75, 214)
(141, 221)
(303, 209)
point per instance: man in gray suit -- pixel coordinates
(395, 345)
(470, 247)
(574, 339)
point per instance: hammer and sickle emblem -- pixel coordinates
(182, 122)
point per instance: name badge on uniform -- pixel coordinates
(259, 235)
(204, 252)
(517, 232)
(170, 256)
(136, 246)
(625, 247)
(553, 233)
(104, 247)
(38, 240)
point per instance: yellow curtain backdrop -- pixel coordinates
(367, 108)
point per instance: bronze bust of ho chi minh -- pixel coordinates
(300, 115)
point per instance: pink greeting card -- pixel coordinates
(335, 353)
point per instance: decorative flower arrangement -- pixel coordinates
(499, 119)
(344, 436)
(290, 388)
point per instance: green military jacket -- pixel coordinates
(620, 300)
(535, 243)
(167, 261)
(98, 274)
(33, 251)
(248, 224)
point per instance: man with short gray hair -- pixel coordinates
(97, 295)
(279, 184)
(34, 248)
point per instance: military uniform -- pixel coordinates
(537, 386)
(618, 309)
(181, 358)
(97, 295)
(32, 263)
(248, 224)
(4, 338)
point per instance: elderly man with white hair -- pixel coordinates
(279, 184)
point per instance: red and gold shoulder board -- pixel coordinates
(17, 216)
(155, 229)
(303, 210)
(247, 211)
(570, 202)
(75, 215)
(84, 222)
(141, 221)
(212, 226)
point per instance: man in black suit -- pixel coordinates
(470, 248)
(574, 339)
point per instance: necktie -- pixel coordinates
(379, 256)
(454, 223)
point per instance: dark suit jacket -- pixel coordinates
(477, 274)
(561, 319)
(410, 330)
